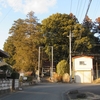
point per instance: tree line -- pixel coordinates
(26, 35)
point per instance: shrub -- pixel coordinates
(21, 79)
(56, 77)
(62, 67)
(66, 78)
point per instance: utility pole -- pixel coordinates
(51, 69)
(70, 57)
(39, 58)
(38, 66)
(52, 62)
(87, 9)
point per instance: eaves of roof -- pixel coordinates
(3, 54)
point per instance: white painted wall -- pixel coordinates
(83, 69)
(88, 64)
(83, 76)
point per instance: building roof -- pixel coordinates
(82, 56)
(3, 54)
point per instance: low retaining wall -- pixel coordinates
(6, 85)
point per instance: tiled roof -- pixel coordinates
(3, 54)
(82, 56)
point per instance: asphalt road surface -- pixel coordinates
(43, 91)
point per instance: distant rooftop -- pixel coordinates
(3, 54)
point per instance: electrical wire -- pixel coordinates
(96, 7)
(84, 18)
(82, 10)
(70, 6)
(77, 7)
(6, 15)
(87, 9)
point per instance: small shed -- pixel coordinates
(83, 69)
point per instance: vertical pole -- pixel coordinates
(70, 52)
(97, 69)
(39, 65)
(51, 68)
(52, 60)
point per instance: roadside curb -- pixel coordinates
(74, 95)
(10, 91)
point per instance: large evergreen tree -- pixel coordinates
(56, 29)
(25, 38)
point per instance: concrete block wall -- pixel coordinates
(6, 84)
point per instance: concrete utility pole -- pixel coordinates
(70, 57)
(38, 78)
(52, 61)
(51, 69)
(87, 9)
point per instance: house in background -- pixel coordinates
(5, 69)
(3, 54)
(9, 79)
(83, 69)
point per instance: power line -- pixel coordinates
(83, 9)
(5, 15)
(87, 9)
(96, 7)
(77, 7)
(70, 6)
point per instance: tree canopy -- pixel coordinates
(56, 29)
(23, 43)
(26, 35)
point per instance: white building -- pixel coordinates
(83, 69)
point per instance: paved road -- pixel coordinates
(43, 91)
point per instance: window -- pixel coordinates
(82, 63)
